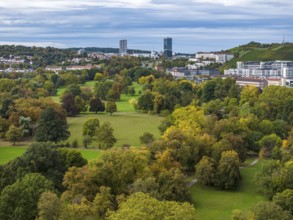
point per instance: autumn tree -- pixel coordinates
(49, 206)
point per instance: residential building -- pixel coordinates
(275, 69)
(123, 47)
(168, 47)
(216, 57)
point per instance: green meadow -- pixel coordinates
(9, 153)
(128, 126)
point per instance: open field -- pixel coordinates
(128, 126)
(212, 203)
(9, 153)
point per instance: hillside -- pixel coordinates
(259, 52)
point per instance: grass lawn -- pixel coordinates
(128, 126)
(211, 203)
(9, 153)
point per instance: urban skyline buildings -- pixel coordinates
(123, 47)
(168, 47)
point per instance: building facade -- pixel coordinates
(168, 47)
(123, 47)
(272, 69)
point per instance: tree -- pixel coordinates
(49, 206)
(68, 103)
(206, 171)
(284, 200)
(146, 138)
(25, 123)
(14, 134)
(19, 200)
(90, 127)
(103, 202)
(267, 210)
(4, 126)
(105, 136)
(267, 144)
(228, 170)
(81, 104)
(96, 105)
(111, 107)
(141, 206)
(52, 126)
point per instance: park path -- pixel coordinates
(194, 181)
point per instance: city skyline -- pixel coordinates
(194, 25)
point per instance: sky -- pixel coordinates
(194, 25)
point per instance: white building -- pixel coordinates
(217, 57)
(277, 69)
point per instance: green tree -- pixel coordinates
(285, 200)
(49, 206)
(228, 170)
(267, 144)
(19, 200)
(206, 171)
(52, 126)
(146, 138)
(111, 107)
(14, 134)
(96, 105)
(4, 126)
(90, 127)
(105, 136)
(267, 210)
(141, 206)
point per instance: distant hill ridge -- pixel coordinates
(107, 50)
(255, 51)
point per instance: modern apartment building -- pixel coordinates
(281, 69)
(168, 47)
(123, 47)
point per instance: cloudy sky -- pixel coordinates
(194, 25)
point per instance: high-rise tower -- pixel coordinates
(123, 47)
(167, 47)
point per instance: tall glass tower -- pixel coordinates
(123, 47)
(167, 47)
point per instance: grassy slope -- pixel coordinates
(212, 203)
(246, 53)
